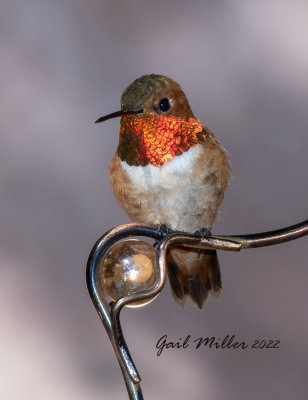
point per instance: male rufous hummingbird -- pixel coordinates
(170, 170)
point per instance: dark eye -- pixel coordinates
(164, 104)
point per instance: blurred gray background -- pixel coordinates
(243, 65)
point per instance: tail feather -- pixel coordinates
(193, 273)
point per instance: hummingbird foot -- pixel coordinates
(163, 232)
(203, 232)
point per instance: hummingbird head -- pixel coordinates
(157, 95)
(154, 94)
(157, 122)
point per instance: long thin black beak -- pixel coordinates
(116, 114)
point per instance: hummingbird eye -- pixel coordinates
(164, 104)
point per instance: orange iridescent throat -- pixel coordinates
(156, 139)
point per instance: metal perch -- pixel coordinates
(110, 312)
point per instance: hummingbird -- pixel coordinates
(169, 170)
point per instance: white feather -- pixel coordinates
(172, 187)
(165, 176)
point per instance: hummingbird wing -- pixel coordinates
(193, 273)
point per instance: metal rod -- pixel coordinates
(101, 302)
(270, 238)
(110, 313)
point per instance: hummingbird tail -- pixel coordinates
(194, 273)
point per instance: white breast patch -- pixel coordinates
(165, 176)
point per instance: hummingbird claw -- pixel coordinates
(203, 232)
(164, 230)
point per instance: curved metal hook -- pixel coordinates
(110, 313)
(109, 316)
(145, 294)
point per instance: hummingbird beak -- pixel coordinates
(116, 114)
